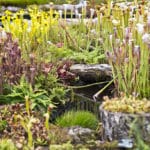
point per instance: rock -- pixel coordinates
(80, 134)
(125, 143)
(10, 8)
(92, 73)
(117, 125)
(42, 148)
(13, 8)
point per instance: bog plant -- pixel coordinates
(129, 51)
(34, 34)
(44, 33)
(78, 118)
(127, 105)
(35, 78)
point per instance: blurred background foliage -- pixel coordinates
(29, 2)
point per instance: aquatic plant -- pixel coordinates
(81, 118)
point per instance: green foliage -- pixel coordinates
(58, 95)
(81, 118)
(140, 144)
(56, 92)
(59, 53)
(47, 82)
(129, 51)
(92, 57)
(39, 97)
(23, 2)
(65, 146)
(7, 144)
(3, 124)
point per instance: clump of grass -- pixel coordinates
(81, 118)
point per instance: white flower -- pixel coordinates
(140, 28)
(49, 42)
(79, 15)
(110, 37)
(93, 31)
(123, 6)
(146, 38)
(60, 13)
(117, 41)
(95, 20)
(76, 12)
(84, 3)
(65, 7)
(3, 34)
(148, 19)
(132, 19)
(115, 22)
(92, 12)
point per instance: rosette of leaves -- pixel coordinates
(126, 104)
(39, 97)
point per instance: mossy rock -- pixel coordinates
(120, 123)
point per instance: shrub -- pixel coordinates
(81, 118)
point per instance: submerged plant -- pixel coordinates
(81, 118)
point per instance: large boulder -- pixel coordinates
(118, 125)
(93, 72)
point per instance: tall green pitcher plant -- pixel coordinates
(129, 54)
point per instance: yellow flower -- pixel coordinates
(8, 13)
